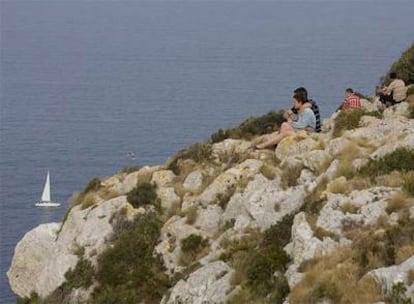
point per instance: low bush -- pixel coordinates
(198, 152)
(402, 159)
(349, 119)
(193, 243)
(87, 197)
(404, 67)
(143, 194)
(81, 276)
(260, 263)
(253, 126)
(128, 272)
(192, 247)
(130, 169)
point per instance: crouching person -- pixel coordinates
(304, 120)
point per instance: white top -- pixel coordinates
(398, 89)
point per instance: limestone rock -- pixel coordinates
(295, 145)
(193, 181)
(229, 147)
(262, 204)
(131, 180)
(370, 204)
(225, 181)
(369, 106)
(209, 284)
(31, 259)
(168, 197)
(388, 276)
(47, 253)
(163, 178)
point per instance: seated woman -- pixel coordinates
(305, 120)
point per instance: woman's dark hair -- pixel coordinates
(393, 75)
(349, 90)
(300, 97)
(301, 91)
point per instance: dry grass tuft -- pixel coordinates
(88, 200)
(191, 215)
(393, 179)
(335, 277)
(290, 176)
(339, 185)
(403, 253)
(348, 207)
(399, 201)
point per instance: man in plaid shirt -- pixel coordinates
(351, 101)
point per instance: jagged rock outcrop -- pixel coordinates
(237, 192)
(48, 251)
(209, 284)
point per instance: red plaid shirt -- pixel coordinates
(351, 101)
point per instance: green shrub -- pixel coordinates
(402, 159)
(193, 243)
(349, 119)
(93, 185)
(82, 275)
(129, 270)
(130, 169)
(261, 265)
(251, 127)
(404, 67)
(198, 152)
(143, 194)
(280, 233)
(397, 294)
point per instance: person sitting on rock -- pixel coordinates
(394, 93)
(351, 101)
(310, 104)
(304, 120)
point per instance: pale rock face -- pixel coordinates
(315, 159)
(368, 105)
(225, 181)
(209, 284)
(295, 145)
(407, 141)
(305, 246)
(382, 131)
(132, 179)
(208, 220)
(173, 231)
(262, 204)
(388, 276)
(412, 213)
(400, 109)
(306, 177)
(370, 203)
(163, 178)
(230, 147)
(168, 197)
(336, 145)
(30, 256)
(47, 254)
(193, 181)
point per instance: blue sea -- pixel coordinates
(90, 87)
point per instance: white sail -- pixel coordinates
(46, 200)
(46, 189)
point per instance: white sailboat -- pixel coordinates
(45, 200)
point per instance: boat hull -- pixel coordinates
(47, 204)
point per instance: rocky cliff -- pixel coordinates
(325, 218)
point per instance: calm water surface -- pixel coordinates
(85, 83)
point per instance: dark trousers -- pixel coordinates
(388, 100)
